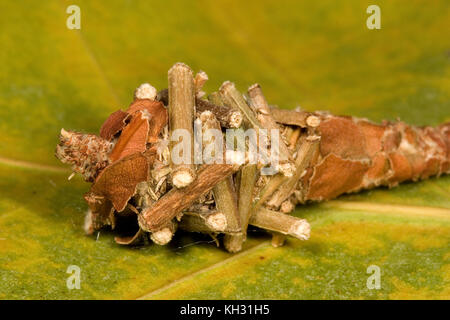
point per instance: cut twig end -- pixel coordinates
(217, 221)
(236, 119)
(233, 242)
(313, 121)
(226, 85)
(145, 91)
(162, 237)
(181, 66)
(182, 177)
(300, 230)
(254, 86)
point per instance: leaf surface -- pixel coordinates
(318, 55)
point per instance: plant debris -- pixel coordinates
(319, 156)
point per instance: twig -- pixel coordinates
(270, 220)
(278, 239)
(262, 110)
(204, 222)
(293, 138)
(281, 223)
(227, 117)
(233, 98)
(248, 177)
(176, 200)
(302, 119)
(308, 150)
(164, 235)
(181, 116)
(224, 192)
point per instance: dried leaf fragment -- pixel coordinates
(133, 138)
(100, 214)
(130, 240)
(118, 181)
(158, 116)
(114, 124)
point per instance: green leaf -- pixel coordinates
(316, 54)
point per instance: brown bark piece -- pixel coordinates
(401, 168)
(378, 170)
(373, 134)
(342, 137)
(335, 176)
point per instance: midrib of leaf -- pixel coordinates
(190, 276)
(32, 165)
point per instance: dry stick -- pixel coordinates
(273, 184)
(294, 137)
(262, 109)
(204, 222)
(227, 117)
(278, 239)
(286, 135)
(233, 98)
(304, 156)
(176, 200)
(264, 195)
(164, 235)
(224, 192)
(181, 117)
(281, 223)
(270, 187)
(226, 202)
(291, 134)
(308, 150)
(295, 118)
(248, 177)
(274, 221)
